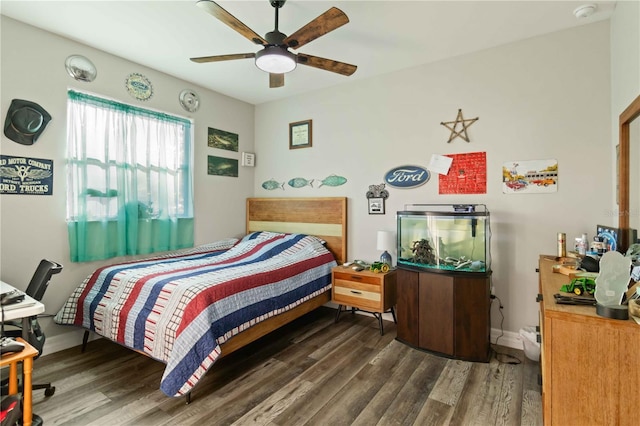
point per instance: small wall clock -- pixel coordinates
(139, 86)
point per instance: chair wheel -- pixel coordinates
(50, 391)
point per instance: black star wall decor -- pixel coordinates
(453, 126)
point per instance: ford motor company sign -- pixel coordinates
(407, 176)
(25, 175)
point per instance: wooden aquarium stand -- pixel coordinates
(445, 313)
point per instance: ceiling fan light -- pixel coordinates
(276, 60)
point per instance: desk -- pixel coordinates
(27, 308)
(26, 357)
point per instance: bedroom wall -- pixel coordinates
(547, 97)
(625, 71)
(543, 98)
(625, 59)
(33, 227)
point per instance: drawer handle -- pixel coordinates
(355, 277)
(356, 292)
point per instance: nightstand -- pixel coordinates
(364, 290)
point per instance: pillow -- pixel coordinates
(265, 235)
(260, 235)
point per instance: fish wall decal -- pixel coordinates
(333, 180)
(300, 182)
(272, 184)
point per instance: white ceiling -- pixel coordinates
(381, 37)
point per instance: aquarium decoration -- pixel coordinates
(423, 252)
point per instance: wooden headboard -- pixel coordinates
(324, 217)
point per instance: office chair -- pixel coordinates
(36, 338)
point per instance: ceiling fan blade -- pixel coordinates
(276, 80)
(217, 11)
(219, 58)
(326, 64)
(328, 21)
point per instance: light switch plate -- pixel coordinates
(248, 159)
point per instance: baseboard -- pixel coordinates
(60, 342)
(508, 339)
(74, 338)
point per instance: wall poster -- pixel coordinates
(221, 166)
(530, 176)
(467, 174)
(223, 140)
(25, 175)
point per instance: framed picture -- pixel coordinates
(376, 205)
(221, 166)
(221, 139)
(300, 134)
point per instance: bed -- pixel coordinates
(191, 307)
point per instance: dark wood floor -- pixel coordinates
(311, 372)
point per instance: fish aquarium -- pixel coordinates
(444, 238)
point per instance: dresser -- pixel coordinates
(365, 290)
(590, 365)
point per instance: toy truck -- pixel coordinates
(379, 267)
(580, 286)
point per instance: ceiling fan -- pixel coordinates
(275, 57)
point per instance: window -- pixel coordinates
(129, 180)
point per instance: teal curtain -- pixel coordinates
(129, 181)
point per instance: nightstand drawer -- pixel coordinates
(364, 277)
(365, 296)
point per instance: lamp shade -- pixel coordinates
(276, 60)
(386, 240)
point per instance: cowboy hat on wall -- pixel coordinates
(25, 121)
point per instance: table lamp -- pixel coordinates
(386, 241)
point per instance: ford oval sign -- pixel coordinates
(407, 176)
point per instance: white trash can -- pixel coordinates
(530, 341)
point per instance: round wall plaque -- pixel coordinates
(81, 68)
(189, 100)
(139, 86)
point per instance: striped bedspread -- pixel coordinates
(180, 308)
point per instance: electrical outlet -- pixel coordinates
(493, 290)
